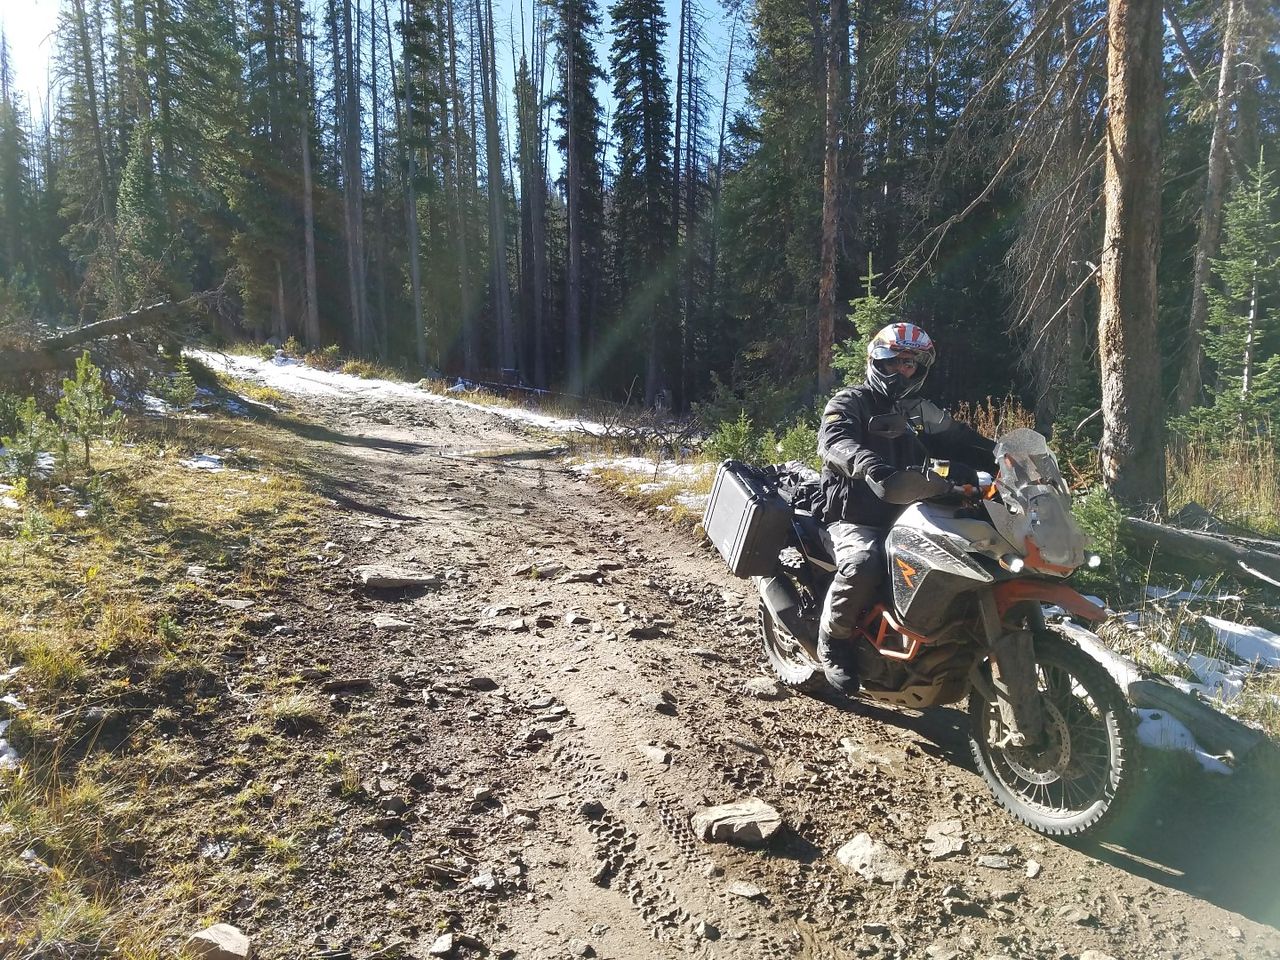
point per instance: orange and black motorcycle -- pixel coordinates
(970, 575)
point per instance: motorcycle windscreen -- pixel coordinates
(1030, 479)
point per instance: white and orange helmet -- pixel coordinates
(905, 341)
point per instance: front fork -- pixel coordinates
(1013, 683)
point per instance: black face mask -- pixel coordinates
(893, 385)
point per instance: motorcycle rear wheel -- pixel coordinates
(1083, 774)
(793, 664)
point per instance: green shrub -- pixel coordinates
(33, 435)
(1100, 518)
(8, 413)
(326, 358)
(178, 389)
(86, 409)
(800, 443)
(735, 440)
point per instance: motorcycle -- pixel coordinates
(961, 617)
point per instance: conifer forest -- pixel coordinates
(683, 203)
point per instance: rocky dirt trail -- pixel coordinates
(532, 730)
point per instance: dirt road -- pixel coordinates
(532, 734)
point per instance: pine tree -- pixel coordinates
(642, 129)
(577, 21)
(1243, 314)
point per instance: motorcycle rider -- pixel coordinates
(868, 477)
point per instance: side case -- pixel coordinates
(747, 521)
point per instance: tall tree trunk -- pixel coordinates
(573, 191)
(837, 99)
(460, 206)
(493, 163)
(379, 185)
(1132, 414)
(408, 163)
(713, 254)
(311, 305)
(1209, 236)
(352, 187)
(538, 213)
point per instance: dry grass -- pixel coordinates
(1239, 480)
(995, 415)
(256, 392)
(94, 595)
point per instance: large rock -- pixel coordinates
(221, 941)
(871, 860)
(748, 823)
(382, 577)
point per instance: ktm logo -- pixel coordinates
(908, 572)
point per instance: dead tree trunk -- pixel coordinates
(1133, 425)
(1207, 240)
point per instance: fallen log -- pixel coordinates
(1196, 547)
(57, 352)
(1216, 732)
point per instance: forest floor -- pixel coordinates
(505, 761)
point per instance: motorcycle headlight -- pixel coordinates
(1012, 563)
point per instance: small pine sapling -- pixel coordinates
(86, 409)
(33, 435)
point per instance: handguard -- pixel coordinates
(908, 486)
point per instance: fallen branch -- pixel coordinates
(57, 352)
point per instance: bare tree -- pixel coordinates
(1133, 424)
(1209, 236)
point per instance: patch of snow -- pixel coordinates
(154, 406)
(44, 462)
(292, 376)
(9, 758)
(1251, 644)
(1159, 731)
(8, 503)
(1195, 593)
(204, 461)
(13, 701)
(660, 474)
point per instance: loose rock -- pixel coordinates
(994, 862)
(944, 839)
(381, 577)
(1033, 869)
(764, 688)
(221, 941)
(389, 624)
(871, 860)
(749, 823)
(741, 888)
(656, 754)
(442, 947)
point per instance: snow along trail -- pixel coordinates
(293, 376)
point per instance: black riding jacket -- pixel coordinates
(851, 454)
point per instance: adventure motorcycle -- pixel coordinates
(961, 616)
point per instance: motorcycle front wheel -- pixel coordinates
(1080, 774)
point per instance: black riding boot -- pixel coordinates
(839, 659)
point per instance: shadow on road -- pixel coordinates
(1213, 837)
